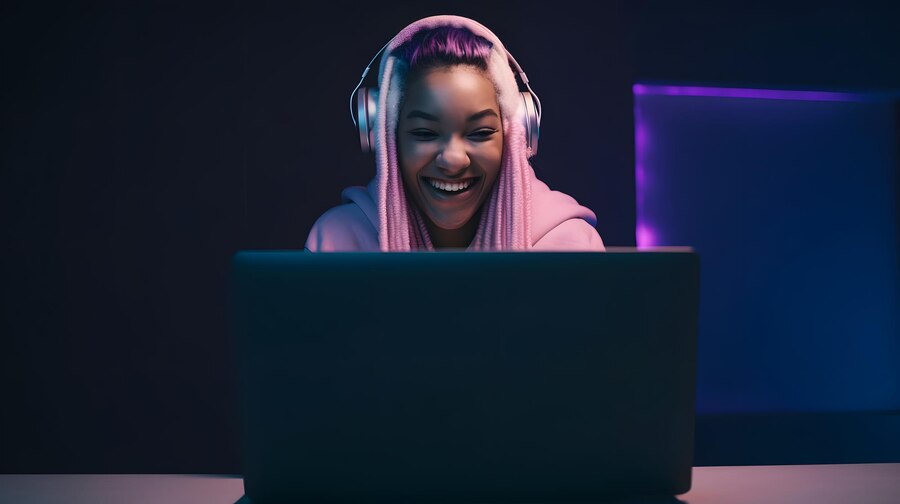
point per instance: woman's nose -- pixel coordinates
(453, 157)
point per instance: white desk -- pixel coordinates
(813, 484)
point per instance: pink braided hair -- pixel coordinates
(505, 222)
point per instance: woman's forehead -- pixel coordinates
(455, 90)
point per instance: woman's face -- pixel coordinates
(449, 131)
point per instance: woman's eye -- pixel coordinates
(484, 134)
(428, 135)
(423, 134)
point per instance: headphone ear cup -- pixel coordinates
(532, 121)
(366, 112)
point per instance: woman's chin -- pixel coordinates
(455, 221)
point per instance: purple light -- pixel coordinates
(767, 94)
(645, 236)
(640, 178)
(642, 234)
(640, 137)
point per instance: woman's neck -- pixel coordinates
(453, 238)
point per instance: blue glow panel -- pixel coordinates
(792, 206)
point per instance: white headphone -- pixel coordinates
(367, 100)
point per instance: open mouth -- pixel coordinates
(451, 192)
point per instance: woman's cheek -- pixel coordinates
(420, 149)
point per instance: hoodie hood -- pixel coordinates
(520, 213)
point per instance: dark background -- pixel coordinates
(144, 143)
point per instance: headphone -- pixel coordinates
(367, 102)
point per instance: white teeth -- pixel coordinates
(450, 187)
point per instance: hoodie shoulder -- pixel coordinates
(574, 234)
(344, 228)
(560, 222)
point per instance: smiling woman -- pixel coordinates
(450, 157)
(452, 135)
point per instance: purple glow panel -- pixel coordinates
(646, 233)
(766, 94)
(760, 183)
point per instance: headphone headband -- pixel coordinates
(367, 98)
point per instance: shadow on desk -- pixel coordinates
(636, 500)
(751, 439)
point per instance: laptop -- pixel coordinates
(454, 376)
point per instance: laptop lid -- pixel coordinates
(466, 376)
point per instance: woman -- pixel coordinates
(452, 168)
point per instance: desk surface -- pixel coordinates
(815, 484)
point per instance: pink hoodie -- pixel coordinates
(521, 213)
(559, 223)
